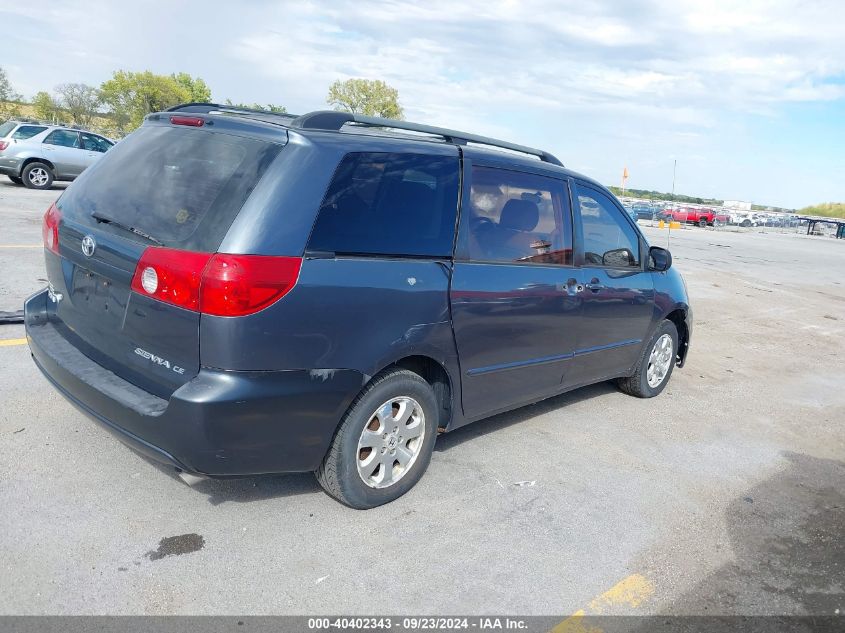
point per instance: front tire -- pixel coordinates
(384, 442)
(37, 176)
(655, 365)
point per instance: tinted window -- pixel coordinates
(609, 240)
(517, 217)
(28, 131)
(183, 187)
(7, 127)
(64, 138)
(94, 143)
(389, 204)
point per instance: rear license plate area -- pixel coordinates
(96, 295)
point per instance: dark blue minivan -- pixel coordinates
(234, 292)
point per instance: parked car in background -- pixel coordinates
(693, 215)
(746, 219)
(642, 212)
(36, 155)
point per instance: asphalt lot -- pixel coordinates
(724, 495)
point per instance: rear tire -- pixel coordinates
(37, 176)
(393, 420)
(16, 180)
(655, 365)
(703, 223)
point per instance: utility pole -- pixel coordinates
(674, 171)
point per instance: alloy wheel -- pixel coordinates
(38, 176)
(390, 442)
(659, 361)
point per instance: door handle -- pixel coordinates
(595, 285)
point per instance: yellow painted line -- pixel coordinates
(8, 342)
(630, 592)
(21, 246)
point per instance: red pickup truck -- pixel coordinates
(702, 217)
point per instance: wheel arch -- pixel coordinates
(679, 316)
(435, 374)
(37, 159)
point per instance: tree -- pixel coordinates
(46, 107)
(81, 102)
(8, 96)
(276, 109)
(130, 96)
(197, 88)
(372, 97)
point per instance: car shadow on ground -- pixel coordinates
(786, 538)
(249, 488)
(260, 488)
(471, 431)
(56, 186)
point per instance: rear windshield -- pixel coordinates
(6, 127)
(182, 187)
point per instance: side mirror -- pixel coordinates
(618, 258)
(659, 259)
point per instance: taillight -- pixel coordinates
(171, 275)
(50, 228)
(219, 284)
(3, 145)
(193, 121)
(235, 285)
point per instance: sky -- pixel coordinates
(748, 96)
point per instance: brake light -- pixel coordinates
(235, 285)
(218, 284)
(171, 276)
(3, 145)
(50, 228)
(193, 121)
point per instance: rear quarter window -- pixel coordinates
(28, 131)
(394, 204)
(181, 186)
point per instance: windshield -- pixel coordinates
(6, 127)
(182, 187)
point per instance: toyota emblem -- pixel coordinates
(88, 245)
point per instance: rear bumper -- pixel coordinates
(221, 423)
(10, 166)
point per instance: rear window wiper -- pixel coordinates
(104, 220)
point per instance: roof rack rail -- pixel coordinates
(200, 107)
(333, 120)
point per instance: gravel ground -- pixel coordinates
(725, 495)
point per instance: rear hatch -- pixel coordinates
(165, 186)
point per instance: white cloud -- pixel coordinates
(655, 76)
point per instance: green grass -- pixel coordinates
(826, 209)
